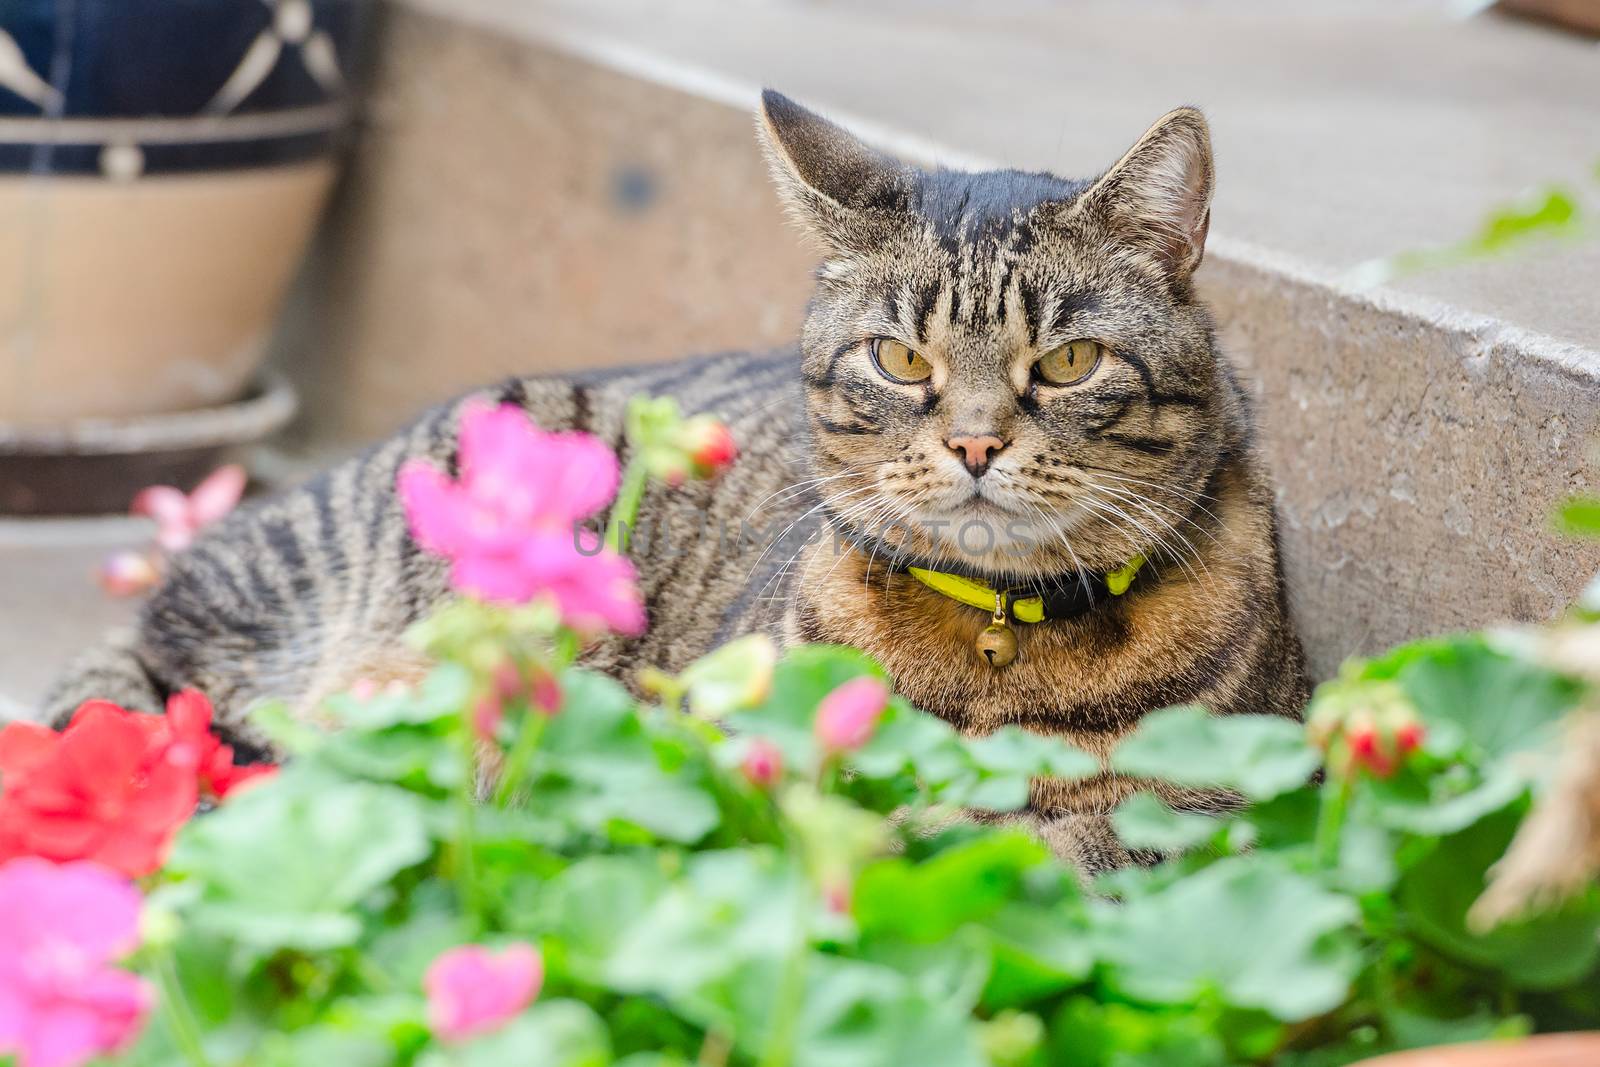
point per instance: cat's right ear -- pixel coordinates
(846, 193)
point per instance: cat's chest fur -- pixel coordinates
(1211, 633)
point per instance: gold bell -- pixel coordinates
(997, 644)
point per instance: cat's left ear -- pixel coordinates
(841, 189)
(1157, 197)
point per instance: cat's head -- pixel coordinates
(1012, 366)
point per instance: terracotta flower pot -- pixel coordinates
(162, 164)
(1545, 1050)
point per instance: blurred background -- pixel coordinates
(270, 231)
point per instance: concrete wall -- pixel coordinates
(1419, 457)
(510, 209)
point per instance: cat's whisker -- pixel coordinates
(871, 509)
(799, 488)
(824, 503)
(1148, 501)
(1066, 543)
(1120, 516)
(1204, 580)
(1192, 496)
(1144, 506)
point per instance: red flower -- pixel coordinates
(104, 789)
(114, 786)
(194, 745)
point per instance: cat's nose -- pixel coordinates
(975, 450)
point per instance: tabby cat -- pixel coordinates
(1004, 377)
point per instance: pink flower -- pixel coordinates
(472, 990)
(61, 1001)
(179, 516)
(508, 524)
(762, 764)
(847, 716)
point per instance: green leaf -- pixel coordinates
(1550, 212)
(1000, 767)
(858, 1014)
(930, 900)
(1476, 699)
(552, 1033)
(1486, 712)
(1544, 952)
(625, 923)
(1011, 749)
(1412, 1029)
(403, 950)
(1256, 933)
(444, 693)
(1143, 822)
(1442, 803)
(1260, 756)
(732, 907)
(1287, 825)
(323, 1044)
(1580, 517)
(1036, 950)
(417, 759)
(1086, 1034)
(588, 908)
(285, 863)
(597, 765)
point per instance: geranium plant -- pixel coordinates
(517, 862)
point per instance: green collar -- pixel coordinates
(1033, 601)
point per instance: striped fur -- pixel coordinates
(297, 596)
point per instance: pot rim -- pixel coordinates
(266, 407)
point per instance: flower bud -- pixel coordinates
(736, 676)
(1012, 1038)
(847, 717)
(545, 692)
(128, 574)
(508, 680)
(486, 716)
(710, 446)
(1408, 736)
(1365, 727)
(762, 765)
(673, 448)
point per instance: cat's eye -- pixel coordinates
(898, 363)
(1070, 363)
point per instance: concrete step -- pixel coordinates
(554, 183)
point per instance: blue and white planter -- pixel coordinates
(162, 163)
